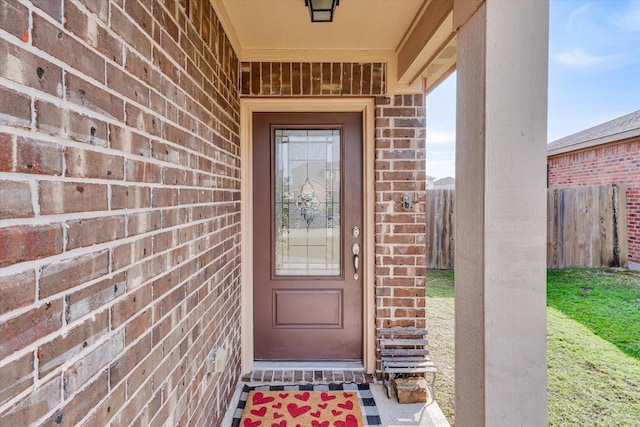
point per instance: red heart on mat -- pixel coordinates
(323, 405)
(315, 414)
(282, 423)
(351, 421)
(277, 405)
(296, 410)
(315, 423)
(304, 396)
(259, 412)
(277, 415)
(335, 413)
(249, 423)
(283, 395)
(260, 399)
(348, 405)
(347, 394)
(326, 397)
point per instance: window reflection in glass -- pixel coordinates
(307, 202)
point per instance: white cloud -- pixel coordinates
(440, 137)
(630, 20)
(579, 59)
(575, 14)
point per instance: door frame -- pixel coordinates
(248, 106)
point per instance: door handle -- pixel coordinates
(355, 249)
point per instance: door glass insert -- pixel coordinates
(307, 202)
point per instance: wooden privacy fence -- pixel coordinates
(586, 227)
(440, 229)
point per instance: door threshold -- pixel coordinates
(303, 365)
(306, 372)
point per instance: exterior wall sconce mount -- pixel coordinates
(321, 10)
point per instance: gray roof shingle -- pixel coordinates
(625, 123)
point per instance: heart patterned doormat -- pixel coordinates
(326, 405)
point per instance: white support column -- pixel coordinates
(500, 277)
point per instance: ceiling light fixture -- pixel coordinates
(321, 10)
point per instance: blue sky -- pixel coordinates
(594, 75)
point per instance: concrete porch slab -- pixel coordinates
(392, 414)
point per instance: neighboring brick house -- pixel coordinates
(608, 153)
(127, 202)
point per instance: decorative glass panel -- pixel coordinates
(307, 202)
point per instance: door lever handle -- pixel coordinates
(355, 249)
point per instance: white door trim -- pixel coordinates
(248, 106)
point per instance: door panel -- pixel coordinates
(307, 200)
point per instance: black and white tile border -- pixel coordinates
(368, 404)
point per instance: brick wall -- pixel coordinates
(119, 212)
(399, 168)
(609, 164)
(400, 235)
(312, 79)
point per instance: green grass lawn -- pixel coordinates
(591, 381)
(605, 301)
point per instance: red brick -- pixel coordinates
(15, 107)
(66, 123)
(144, 271)
(164, 197)
(130, 142)
(130, 305)
(14, 18)
(173, 176)
(17, 290)
(136, 327)
(87, 232)
(124, 27)
(29, 70)
(130, 197)
(95, 361)
(83, 93)
(35, 405)
(64, 347)
(67, 197)
(165, 21)
(105, 410)
(16, 377)
(97, 36)
(142, 120)
(86, 300)
(21, 331)
(122, 366)
(81, 404)
(127, 85)
(52, 8)
(7, 143)
(26, 243)
(15, 200)
(143, 222)
(92, 164)
(67, 274)
(131, 253)
(57, 42)
(39, 157)
(140, 16)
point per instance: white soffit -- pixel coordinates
(362, 31)
(273, 28)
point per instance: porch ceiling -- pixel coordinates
(414, 37)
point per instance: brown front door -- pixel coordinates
(307, 221)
